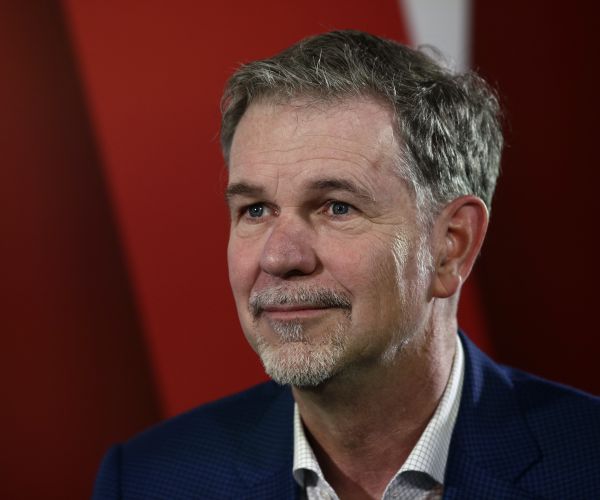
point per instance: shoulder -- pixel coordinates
(224, 419)
(555, 413)
(196, 451)
(565, 421)
(565, 424)
(544, 403)
(541, 435)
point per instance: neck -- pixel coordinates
(363, 426)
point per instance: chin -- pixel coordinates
(301, 363)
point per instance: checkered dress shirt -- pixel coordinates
(421, 476)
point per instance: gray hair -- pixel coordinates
(448, 124)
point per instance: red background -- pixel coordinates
(116, 310)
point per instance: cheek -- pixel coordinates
(242, 264)
(364, 267)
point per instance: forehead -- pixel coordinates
(358, 131)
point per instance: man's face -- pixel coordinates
(327, 264)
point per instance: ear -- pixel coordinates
(459, 231)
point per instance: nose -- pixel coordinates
(289, 250)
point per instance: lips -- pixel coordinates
(292, 307)
(289, 311)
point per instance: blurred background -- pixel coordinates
(115, 308)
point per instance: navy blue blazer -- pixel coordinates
(516, 437)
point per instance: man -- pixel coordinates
(360, 180)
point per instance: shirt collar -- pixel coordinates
(429, 455)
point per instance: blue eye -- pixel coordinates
(256, 210)
(339, 208)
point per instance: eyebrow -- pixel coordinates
(336, 184)
(327, 184)
(243, 189)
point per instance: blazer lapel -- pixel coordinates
(491, 444)
(265, 459)
(469, 480)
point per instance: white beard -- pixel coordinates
(299, 361)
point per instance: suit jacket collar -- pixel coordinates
(491, 445)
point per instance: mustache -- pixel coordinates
(298, 296)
